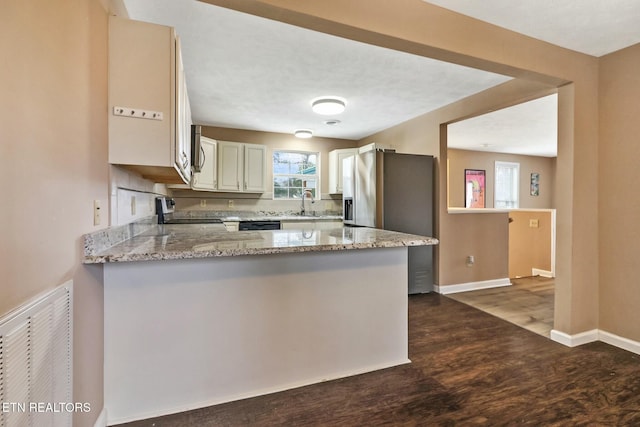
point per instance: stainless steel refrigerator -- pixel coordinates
(393, 191)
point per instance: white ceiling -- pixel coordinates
(530, 129)
(248, 72)
(594, 27)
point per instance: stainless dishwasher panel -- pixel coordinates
(259, 225)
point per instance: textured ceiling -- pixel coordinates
(251, 73)
(530, 128)
(248, 72)
(594, 27)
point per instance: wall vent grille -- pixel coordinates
(36, 362)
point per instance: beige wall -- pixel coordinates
(619, 199)
(418, 27)
(461, 234)
(283, 141)
(188, 199)
(53, 154)
(529, 245)
(459, 160)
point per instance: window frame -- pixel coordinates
(516, 185)
(303, 177)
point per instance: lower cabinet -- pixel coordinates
(310, 225)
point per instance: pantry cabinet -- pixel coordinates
(242, 167)
(149, 114)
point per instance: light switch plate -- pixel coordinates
(96, 212)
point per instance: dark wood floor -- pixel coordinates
(469, 368)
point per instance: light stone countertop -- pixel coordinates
(167, 242)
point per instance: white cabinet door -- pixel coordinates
(255, 168)
(145, 76)
(183, 119)
(242, 167)
(230, 166)
(206, 179)
(335, 168)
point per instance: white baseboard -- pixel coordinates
(574, 340)
(595, 335)
(472, 286)
(620, 342)
(543, 273)
(102, 419)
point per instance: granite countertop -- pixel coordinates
(166, 242)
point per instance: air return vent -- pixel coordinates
(35, 361)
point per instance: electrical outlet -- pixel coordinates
(470, 261)
(203, 203)
(230, 203)
(96, 212)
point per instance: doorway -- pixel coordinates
(524, 135)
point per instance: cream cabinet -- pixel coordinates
(242, 167)
(149, 114)
(206, 179)
(335, 168)
(310, 224)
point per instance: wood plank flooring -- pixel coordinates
(528, 302)
(468, 368)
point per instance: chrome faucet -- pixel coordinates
(304, 193)
(302, 210)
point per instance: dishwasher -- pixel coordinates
(259, 225)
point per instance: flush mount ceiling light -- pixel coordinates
(303, 133)
(328, 105)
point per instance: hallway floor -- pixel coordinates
(528, 302)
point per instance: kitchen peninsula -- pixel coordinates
(196, 316)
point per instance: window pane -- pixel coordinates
(280, 181)
(506, 184)
(295, 182)
(281, 193)
(295, 193)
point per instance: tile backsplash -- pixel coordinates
(132, 197)
(229, 202)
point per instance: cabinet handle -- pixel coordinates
(245, 185)
(203, 159)
(238, 185)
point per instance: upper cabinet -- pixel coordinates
(335, 168)
(206, 179)
(242, 167)
(149, 113)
